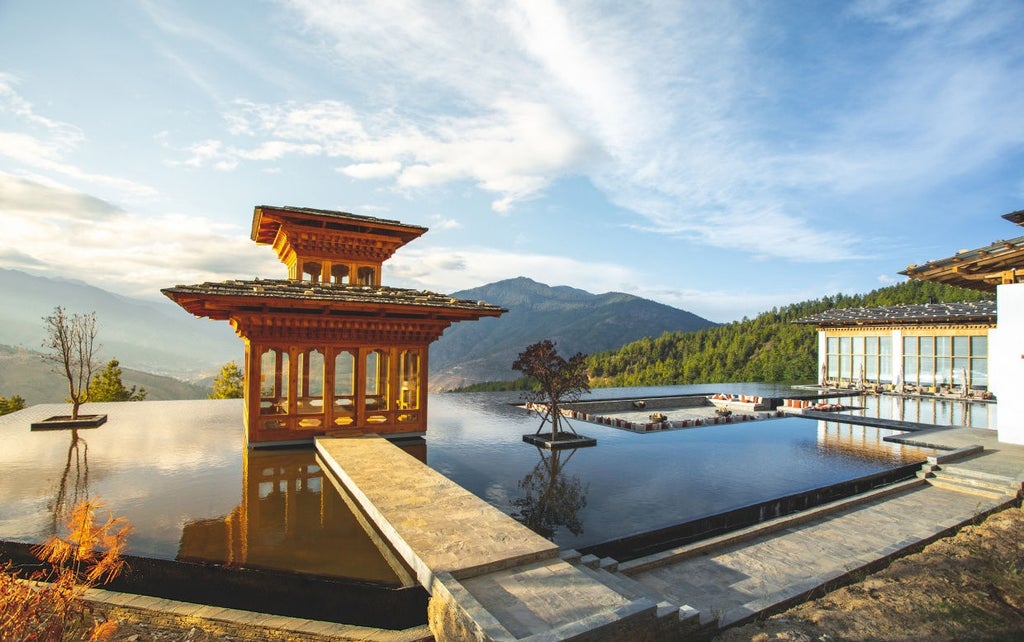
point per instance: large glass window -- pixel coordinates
(832, 357)
(885, 359)
(859, 358)
(940, 361)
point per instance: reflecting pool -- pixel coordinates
(940, 411)
(632, 483)
(179, 472)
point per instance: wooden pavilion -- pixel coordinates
(329, 350)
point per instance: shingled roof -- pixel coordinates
(969, 312)
(215, 300)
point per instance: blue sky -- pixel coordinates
(721, 157)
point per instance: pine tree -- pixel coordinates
(229, 383)
(107, 385)
(13, 404)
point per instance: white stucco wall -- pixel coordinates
(1006, 362)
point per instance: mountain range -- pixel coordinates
(24, 373)
(156, 336)
(576, 320)
(147, 335)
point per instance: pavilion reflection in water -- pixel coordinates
(292, 518)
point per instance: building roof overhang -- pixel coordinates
(222, 301)
(1017, 218)
(981, 269)
(972, 312)
(267, 221)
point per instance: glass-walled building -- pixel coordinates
(921, 348)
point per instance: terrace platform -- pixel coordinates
(491, 579)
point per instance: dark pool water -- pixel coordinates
(178, 470)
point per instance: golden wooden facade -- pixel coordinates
(330, 350)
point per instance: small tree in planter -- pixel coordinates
(71, 341)
(559, 381)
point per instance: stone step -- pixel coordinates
(977, 479)
(949, 484)
(678, 622)
(962, 471)
(624, 586)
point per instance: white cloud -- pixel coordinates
(47, 150)
(371, 170)
(693, 115)
(444, 269)
(438, 222)
(61, 232)
(513, 148)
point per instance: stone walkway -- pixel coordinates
(490, 577)
(737, 582)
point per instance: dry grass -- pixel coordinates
(47, 604)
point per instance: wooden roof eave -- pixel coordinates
(267, 218)
(224, 306)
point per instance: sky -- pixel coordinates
(720, 157)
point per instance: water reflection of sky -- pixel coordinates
(168, 464)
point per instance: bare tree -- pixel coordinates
(559, 381)
(71, 341)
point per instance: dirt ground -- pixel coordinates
(966, 587)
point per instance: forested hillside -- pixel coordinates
(769, 347)
(577, 320)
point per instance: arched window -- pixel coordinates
(408, 386)
(274, 382)
(344, 388)
(339, 274)
(409, 380)
(377, 386)
(311, 271)
(367, 276)
(310, 395)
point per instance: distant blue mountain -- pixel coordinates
(578, 321)
(153, 336)
(157, 336)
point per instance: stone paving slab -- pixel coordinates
(436, 525)
(542, 596)
(737, 582)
